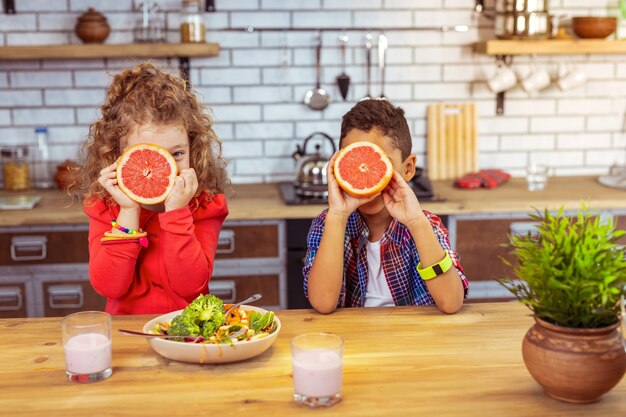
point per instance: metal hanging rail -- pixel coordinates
(252, 29)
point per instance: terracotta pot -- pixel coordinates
(574, 365)
(92, 27)
(67, 174)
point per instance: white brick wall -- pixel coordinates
(256, 86)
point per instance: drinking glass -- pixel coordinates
(537, 177)
(317, 360)
(87, 346)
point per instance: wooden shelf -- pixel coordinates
(551, 47)
(93, 51)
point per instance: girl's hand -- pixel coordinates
(185, 187)
(401, 201)
(339, 202)
(108, 180)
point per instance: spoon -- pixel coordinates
(250, 299)
(195, 339)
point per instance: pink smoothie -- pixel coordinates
(87, 353)
(317, 373)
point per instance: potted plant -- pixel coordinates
(571, 274)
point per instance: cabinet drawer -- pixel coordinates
(478, 242)
(61, 298)
(43, 247)
(13, 300)
(244, 286)
(248, 241)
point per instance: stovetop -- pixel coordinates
(420, 184)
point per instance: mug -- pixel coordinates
(536, 80)
(504, 79)
(571, 79)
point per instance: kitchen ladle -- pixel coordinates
(382, 57)
(343, 80)
(317, 98)
(368, 60)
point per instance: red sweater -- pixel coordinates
(167, 275)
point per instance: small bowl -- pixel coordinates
(589, 27)
(204, 353)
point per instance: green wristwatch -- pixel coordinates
(435, 270)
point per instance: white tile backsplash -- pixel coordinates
(256, 86)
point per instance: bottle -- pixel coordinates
(192, 27)
(15, 168)
(41, 160)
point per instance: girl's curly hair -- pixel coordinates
(141, 95)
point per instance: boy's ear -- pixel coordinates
(408, 167)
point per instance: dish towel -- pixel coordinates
(485, 178)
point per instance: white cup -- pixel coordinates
(571, 79)
(536, 80)
(504, 79)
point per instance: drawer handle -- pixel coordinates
(11, 299)
(226, 290)
(59, 295)
(523, 228)
(35, 246)
(226, 242)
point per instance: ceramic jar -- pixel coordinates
(92, 27)
(574, 365)
(67, 174)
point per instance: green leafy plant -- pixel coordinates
(572, 272)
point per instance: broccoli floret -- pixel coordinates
(183, 325)
(202, 317)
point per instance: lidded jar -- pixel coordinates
(92, 27)
(192, 27)
(15, 168)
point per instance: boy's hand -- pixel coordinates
(108, 180)
(401, 201)
(185, 187)
(339, 202)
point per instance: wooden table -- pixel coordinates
(403, 361)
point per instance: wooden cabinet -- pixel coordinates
(246, 240)
(32, 246)
(480, 245)
(251, 258)
(480, 242)
(49, 266)
(13, 300)
(61, 298)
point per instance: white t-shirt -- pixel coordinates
(378, 293)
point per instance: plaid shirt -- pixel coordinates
(399, 258)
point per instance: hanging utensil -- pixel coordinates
(343, 80)
(318, 98)
(368, 60)
(382, 57)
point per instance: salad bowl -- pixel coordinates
(209, 353)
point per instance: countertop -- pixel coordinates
(263, 201)
(400, 361)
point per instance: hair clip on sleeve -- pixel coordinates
(129, 235)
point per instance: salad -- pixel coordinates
(204, 320)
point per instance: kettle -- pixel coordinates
(311, 168)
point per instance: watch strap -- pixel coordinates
(435, 270)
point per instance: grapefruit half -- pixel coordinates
(146, 173)
(363, 169)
